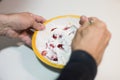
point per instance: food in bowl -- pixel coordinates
(58, 45)
(53, 45)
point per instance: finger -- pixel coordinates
(30, 32)
(83, 19)
(25, 38)
(93, 18)
(38, 26)
(94, 21)
(85, 22)
(39, 19)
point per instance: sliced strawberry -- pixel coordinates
(66, 28)
(54, 36)
(54, 58)
(51, 45)
(44, 53)
(53, 29)
(60, 46)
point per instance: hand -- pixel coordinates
(18, 25)
(92, 37)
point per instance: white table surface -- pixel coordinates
(20, 63)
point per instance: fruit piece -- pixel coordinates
(60, 46)
(66, 28)
(44, 53)
(54, 58)
(53, 29)
(51, 45)
(54, 36)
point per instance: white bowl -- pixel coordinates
(53, 51)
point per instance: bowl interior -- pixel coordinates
(44, 41)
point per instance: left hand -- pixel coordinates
(18, 25)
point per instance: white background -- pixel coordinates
(12, 66)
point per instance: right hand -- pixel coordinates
(92, 37)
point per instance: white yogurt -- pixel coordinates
(58, 45)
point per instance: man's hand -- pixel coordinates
(18, 25)
(92, 37)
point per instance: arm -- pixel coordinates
(18, 25)
(81, 66)
(3, 23)
(88, 47)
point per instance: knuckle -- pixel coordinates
(94, 18)
(102, 24)
(103, 31)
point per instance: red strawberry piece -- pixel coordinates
(60, 46)
(54, 58)
(54, 36)
(44, 53)
(66, 28)
(51, 45)
(53, 29)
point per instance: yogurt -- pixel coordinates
(58, 44)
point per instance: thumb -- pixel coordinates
(83, 19)
(38, 26)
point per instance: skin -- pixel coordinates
(19, 25)
(92, 37)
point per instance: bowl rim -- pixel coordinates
(37, 53)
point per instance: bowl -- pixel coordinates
(53, 45)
